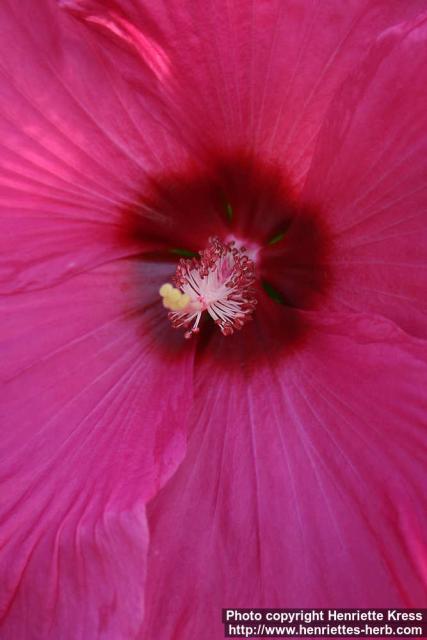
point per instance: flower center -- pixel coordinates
(219, 282)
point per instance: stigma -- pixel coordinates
(219, 282)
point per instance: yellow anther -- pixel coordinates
(173, 298)
(165, 289)
(183, 301)
(174, 295)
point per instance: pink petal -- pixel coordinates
(369, 177)
(301, 486)
(254, 74)
(94, 406)
(77, 142)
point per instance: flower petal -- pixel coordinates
(95, 397)
(76, 142)
(302, 485)
(369, 176)
(256, 75)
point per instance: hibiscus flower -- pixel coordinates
(262, 164)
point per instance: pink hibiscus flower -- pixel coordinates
(275, 458)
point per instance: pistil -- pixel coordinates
(220, 283)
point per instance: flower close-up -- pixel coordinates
(213, 279)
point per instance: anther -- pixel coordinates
(219, 282)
